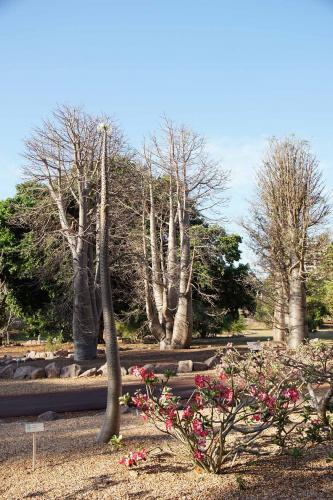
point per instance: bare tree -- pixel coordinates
(179, 156)
(290, 206)
(64, 154)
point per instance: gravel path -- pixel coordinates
(72, 466)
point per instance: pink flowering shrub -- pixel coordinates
(254, 401)
(313, 364)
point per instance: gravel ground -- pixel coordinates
(71, 465)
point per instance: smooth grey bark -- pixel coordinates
(297, 310)
(182, 329)
(111, 423)
(279, 325)
(84, 327)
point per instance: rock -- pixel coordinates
(52, 370)
(213, 361)
(185, 366)
(70, 355)
(101, 351)
(199, 367)
(7, 371)
(124, 409)
(47, 416)
(162, 368)
(92, 372)
(102, 370)
(123, 370)
(149, 367)
(23, 372)
(31, 355)
(38, 373)
(63, 353)
(70, 371)
(49, 355)
(165, 346)
(40, 355)
(130, 370)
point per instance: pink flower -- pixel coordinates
(145, 376)
(171, 414)
(133, 458)
(257, 417)
(188, 413)
(201, 381)
(292, 394)
(198, 400)
(198, 455)
(198, 429)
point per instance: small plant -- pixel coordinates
(241, 483)
(116, 442)
(53, 343)
(295, 452)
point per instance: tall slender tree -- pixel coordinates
(111, 422)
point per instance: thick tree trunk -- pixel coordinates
(84, 328)
(297, 310)
(182, 328)
(111, 424)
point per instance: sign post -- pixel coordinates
(33, 428)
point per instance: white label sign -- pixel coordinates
(35, 427)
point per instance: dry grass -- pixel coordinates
(72, 466)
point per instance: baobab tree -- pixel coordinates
(195, 182)
(64, 154)
(289, 209)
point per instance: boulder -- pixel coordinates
(47, 416)
(92, 372)
(213, 361)
(37, 373)
(7, 371)
(165, 346)
(40, 355)
(130, 370)
(63, 353)
(124, 409)
(149, 367)
(23, 372)
(199, 367)
(70, 371)
(162, 368)
(31, 355)
(52, 370)
(185, 366)
(102, 370)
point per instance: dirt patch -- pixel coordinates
(72, 466)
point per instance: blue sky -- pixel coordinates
(236, 71)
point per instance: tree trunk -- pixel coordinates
(297, 310)
(111, 424)
(279, 326)
(84, 328)
(182, 329)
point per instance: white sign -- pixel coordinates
(35, 427)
